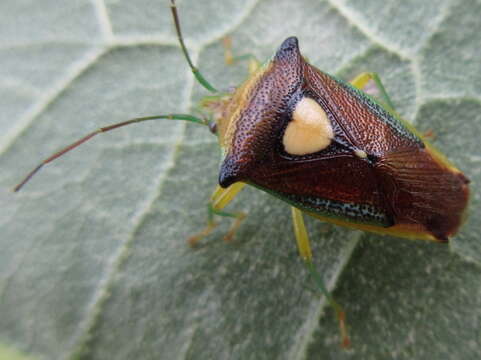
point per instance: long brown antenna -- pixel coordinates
(72, 146)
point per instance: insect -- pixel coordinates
(326, 148)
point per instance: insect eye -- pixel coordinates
(213, 127)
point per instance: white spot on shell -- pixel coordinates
(309, 130)
(360, 153)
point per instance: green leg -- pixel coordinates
(305, 252)
(361, 81)
(220, 199)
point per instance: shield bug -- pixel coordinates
(326, 148)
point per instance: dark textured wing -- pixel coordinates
(341, 186)
(422, 190)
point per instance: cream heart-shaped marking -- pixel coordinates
(309, 130)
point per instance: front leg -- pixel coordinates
(220, 198)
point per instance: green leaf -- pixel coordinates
(7, 353)
(94, 262)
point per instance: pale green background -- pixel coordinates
(93, 258)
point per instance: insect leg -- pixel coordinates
(230, 59)
(361, 81)
(220, 199)
(302, 237)
(305, 252)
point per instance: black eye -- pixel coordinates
(213, 127)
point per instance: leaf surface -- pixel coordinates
(94, 262)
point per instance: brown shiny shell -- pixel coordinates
(399, 183)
